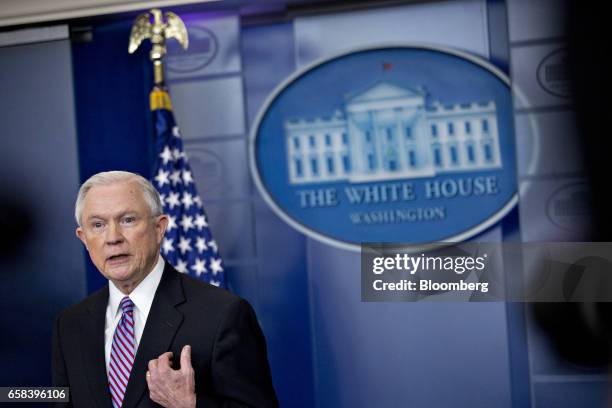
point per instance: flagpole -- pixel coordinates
(187, 244)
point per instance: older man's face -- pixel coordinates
(121, 236)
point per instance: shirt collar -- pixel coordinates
(142, 295)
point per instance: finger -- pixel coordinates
(149, 380)
(153, 366)
(186, 359)
(164, 360)
(167, 354)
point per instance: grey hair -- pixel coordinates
(105, 178)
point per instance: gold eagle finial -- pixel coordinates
(158, 32)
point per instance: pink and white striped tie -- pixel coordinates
(122, 353)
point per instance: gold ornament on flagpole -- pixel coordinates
(158, 32)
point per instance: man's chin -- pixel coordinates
(122, 273)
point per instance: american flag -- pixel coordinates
(188, 243)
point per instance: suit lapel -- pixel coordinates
(93, 349)
(162, 323)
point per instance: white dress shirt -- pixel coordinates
(142, 297)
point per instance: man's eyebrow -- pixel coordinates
(94, 217)
(117, 216)
(124, 213)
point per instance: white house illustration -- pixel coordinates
(389, 132)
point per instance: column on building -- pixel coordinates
(362, 143)
(415, 145)
(384, 120)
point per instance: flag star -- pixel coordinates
(173, 199)
(199, 266)
(176, 132)
(162, 198)
(201, 244)
(181, 266)
(171, 222)
(177, 154)
(184, 245)
(186, 222)
(176, 177)
(166, 155)
(200, 221)
(213, 244)
(187, 178)
(215, 265)
(167, 245)
(162, 178)
(187, 200)
(214, 282)
(198, 201)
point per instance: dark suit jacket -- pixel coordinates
(228, 348)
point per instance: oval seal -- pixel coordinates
(203, 47)
(553, 73)
(406, 144)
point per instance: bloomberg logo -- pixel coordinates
(391, 144)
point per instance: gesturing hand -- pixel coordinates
(172, 388)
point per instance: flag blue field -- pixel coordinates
(188, 244)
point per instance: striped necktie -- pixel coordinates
(122, 353)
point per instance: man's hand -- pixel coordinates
(172, 388)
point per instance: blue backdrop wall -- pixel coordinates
(326, 347)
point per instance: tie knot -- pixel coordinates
(126, 304)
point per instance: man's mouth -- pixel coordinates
(117, 258)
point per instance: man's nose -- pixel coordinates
(114, 234)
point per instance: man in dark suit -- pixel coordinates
(116, 348)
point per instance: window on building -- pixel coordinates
(451, 129)
(392, 164)
(437, 155)
(368, 136)
(454, 155)
(296, 143)
(327, 140)
(470, 153)
(390, 131)
(314, 166)
(468, 127)
(434, 130)
(408, 132)
(346, 163)
(298, 167)
(488, 151)
(330, 165)
(412, 158)
(485, 126)
(371, 161)
(344, 138)
(312, 141)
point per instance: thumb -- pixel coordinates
(186, 358)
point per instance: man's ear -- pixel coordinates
(81, 234)
(161, 223)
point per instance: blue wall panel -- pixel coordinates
(114, 123)
(41, 263)
(268, 57)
